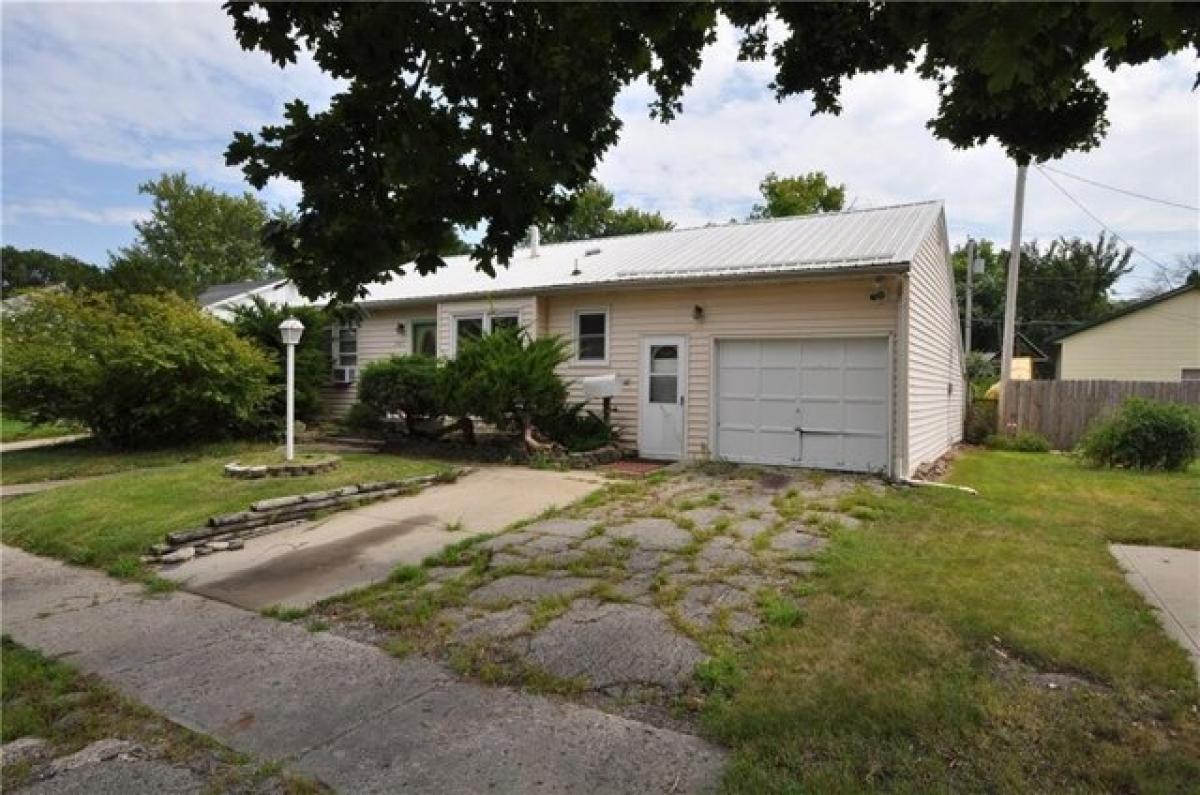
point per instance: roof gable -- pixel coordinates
(1137, 306)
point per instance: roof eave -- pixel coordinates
(676, 281)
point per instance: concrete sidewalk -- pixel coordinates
(343, 712)
(348, 550)
(1169, 579)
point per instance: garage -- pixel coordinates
(821, 403)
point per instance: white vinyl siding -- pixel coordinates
(1155, 343)
(378, 337)
(786, 309)
(936, 387)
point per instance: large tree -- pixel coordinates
(195, 237)
(1062, 285)
(803, 194)
(493, 115)
(21, 269)
(593, 215)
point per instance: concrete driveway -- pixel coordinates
(1169, 579)
(302, 565)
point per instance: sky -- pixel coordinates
(99, 98)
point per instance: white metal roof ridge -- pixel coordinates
(798, 263)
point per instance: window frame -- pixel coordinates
(412, 341)
(336, 343)
(575, 333)
(485, 319)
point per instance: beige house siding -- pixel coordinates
(525, 306)
(936, 386)
(378, 338)
(1152, 344)
(814, 307)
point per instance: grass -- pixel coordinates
(48, 699)
(915, 662)
(108, 523)
(88, 458)
(13, 430)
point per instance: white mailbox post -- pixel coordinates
(290, 331)
(604, 387)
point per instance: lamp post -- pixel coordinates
(290, 331)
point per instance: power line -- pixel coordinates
(1095, 218)
(1114, 188)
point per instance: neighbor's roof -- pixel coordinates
(220, 292)
(1129, 309)
(829, 242)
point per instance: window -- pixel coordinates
(473, 327)
(591, 336)
(664, 373)
(424, 338)
(345, 345)
(1189, 374)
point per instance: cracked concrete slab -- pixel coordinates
(344, 712)
(657, 534)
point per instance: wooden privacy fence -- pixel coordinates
(1062, 410)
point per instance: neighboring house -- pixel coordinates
(826, 341)
(1153, 340)
(221, 299)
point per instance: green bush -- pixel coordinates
(138, 370)
(576, 428)
(1144, 434)
(1023, 442)
(405, 385)
(362, 417)
(981, 420)
(506, 379)
(259, 323)
(982, 372)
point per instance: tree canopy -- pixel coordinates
(800, 195)
(1067, 283)
(195, 237)
(28, 268)
(593, 215)
(492, 116)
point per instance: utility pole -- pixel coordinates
(967, 319)
(1010, 292)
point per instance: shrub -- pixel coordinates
(982, 372)
(362, 417)
(1023, 442)
(137, 370)
(259, 323)
(1144, 434)
(576, 428)
(404, 385)
(506, 379)
(981, 420)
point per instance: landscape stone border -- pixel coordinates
(284, 470)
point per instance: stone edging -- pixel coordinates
(284, 470)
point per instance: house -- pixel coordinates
(221, 299)
(826, 341)
(1153, 340)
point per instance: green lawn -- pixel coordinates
(87, 458)
(107, 523)
(921, 662)
(12, 430)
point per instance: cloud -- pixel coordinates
(65, 210)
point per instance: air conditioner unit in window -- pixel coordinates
(344, 375)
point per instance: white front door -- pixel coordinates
(663, 397)
(819, 403)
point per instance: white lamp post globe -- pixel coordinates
(290, 331)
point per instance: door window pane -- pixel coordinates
(664, 359)
(664, 388)
(424, 342)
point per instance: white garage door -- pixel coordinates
(804, 402)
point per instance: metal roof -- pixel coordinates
(856, 239)
(220, 292)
